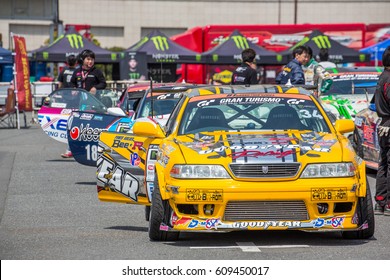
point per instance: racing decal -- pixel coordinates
(66, 112)
(369, 134)
(54, 126)
(207, 224)
(267, 224)
(135, 159)
(175, 95)
(127, 142)
(249, 100)
(162, 159)
(85, 116)
(86, 133)
(216, 223)
(359, 121)
(259, 148)
(98, 118)
(150, 162)
(150, 188)
(117, 178)
(167, 149)
(58, 105)
(352, 76)
(335, 222)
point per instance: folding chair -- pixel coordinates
(8, 112)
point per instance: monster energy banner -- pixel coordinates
(160, 49)
(134, 67)
(337, 52)
(72, 43)
(229, 52)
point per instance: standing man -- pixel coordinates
(246, 73)
(382, 103)
(66, 74)
(293, 70)
(86, 76)
(316, 75)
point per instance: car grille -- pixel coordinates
(266, 210)
(281, 170)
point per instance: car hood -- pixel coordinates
(262, 147)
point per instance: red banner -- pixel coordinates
(22, 74)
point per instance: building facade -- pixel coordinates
(121, 23)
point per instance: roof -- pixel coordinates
(71, 43)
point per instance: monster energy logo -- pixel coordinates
(134, 75)
(241, 42)
(75, 41)
(322, 41)
(161, 43)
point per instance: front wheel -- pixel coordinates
(366, 216)
(160, 213)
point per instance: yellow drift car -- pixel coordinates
(237, 158)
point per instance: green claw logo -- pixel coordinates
(75, 41)
(322, 41)
(241, 42)
(161, 43)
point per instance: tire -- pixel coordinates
(160, 212)
(365, 213)
(147, 213)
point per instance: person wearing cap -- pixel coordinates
(246, 73)
(86, 75)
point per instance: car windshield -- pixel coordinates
(109, 97)
(163, 105)
(76, 99)
(246, 112)
(353, 83)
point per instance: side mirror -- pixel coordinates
(148, 127)
(344, 126)
(116, 111)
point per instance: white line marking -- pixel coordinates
(248, 247)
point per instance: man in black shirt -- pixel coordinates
(86, 76)
(246, 73)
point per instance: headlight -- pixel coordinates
(199, 172)
(340, 169)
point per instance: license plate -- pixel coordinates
(329, 194)
(204, 195)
